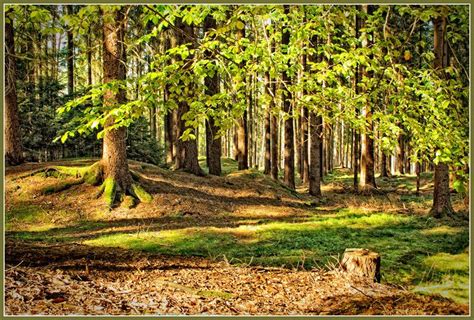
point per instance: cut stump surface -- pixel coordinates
(362, 262)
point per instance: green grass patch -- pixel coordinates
(228, 165)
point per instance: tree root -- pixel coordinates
(109, 189)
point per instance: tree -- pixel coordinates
(441, 198)
(289, 169)
(213, 140)
(241, 130)
(70, 54)
(13, 147)
(367, 176)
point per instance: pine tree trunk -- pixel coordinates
(213, 143)
(304, 143)
(441, 197)
(13, 147)
(383, 166)
(289, 169)
(114, 156)
(274, 143)
(70, 55)
(400, 155)
(267, 162)
(367, 175)
(241, 146)
(316, 132)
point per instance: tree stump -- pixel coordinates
(362, 263)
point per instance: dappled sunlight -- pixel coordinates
(442, 230)
(448, 262)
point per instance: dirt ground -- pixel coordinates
(71, 278)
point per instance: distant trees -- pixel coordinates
(274, 87)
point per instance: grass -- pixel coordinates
(419, 252)
(228, 165)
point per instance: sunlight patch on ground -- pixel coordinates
(442, 230)
(448, 262)
(455, 287)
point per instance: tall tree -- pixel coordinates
(241, 132)
(367, 175)
(441, 198)
(70, 54)
(213, 141)
(114, 156)
(13, 147)
(289, 147)
(268, 115)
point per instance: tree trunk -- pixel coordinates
(213, 143)
(268, 115)
(13, 147)
(383, 166)
(316, 132)
(70, 55)
(114, 156)
(289, 169)
(441, 197)
(241, 146)
(187, 151)
(367, 175)
(400, 154)
(304, 133)
(89, 58)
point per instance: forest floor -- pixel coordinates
(236, 244)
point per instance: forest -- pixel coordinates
(236, 159)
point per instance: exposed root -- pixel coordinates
(61, 186)
(140, 193)
(109, 189)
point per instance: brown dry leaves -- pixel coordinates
(84, 280)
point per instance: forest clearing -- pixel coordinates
(231, 160)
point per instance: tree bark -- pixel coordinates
(383, 166)
(367, 175)
(268, 115)
(441, 197)
(213, 142)
(316, 132)
(289, 169)
(13, 146)
(114, 156)
(70, 55)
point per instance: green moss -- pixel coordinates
(59, 186)
(141, 194)
(93, 174)
(128, 202)
(109, 187)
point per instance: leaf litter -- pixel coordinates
(45, 279)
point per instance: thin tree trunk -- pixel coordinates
(213, 143)
(267, 164)
(70, 55)
(316, 132)
(289, 169)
